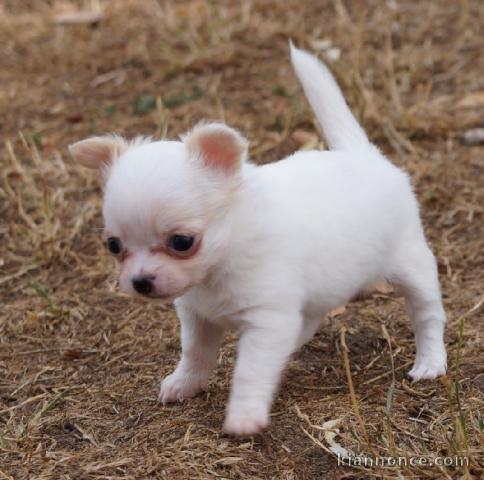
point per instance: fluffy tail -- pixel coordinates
(340, 127)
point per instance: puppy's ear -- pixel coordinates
(98, 152)
(217, 146)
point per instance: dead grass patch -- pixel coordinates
(80, 364)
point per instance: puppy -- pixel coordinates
(266, 249)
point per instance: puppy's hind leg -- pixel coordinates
(415, 276)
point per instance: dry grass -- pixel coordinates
(80, 364)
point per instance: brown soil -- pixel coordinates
(80, 364)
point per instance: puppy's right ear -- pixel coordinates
(98, 152)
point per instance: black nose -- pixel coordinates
(143, 285)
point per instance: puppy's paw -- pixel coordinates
(177, 387)
(429, 367)
(246, 422)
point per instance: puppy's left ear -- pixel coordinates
(217, 146)
(98, 152)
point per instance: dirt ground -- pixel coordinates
(80, 364)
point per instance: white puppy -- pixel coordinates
(267, 249)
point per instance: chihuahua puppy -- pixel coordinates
(266, 249)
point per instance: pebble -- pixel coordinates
(474, 136)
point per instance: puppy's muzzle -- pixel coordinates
(143, 285)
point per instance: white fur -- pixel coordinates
(282, 245)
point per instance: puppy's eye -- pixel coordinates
(181, 244)
(114, 245)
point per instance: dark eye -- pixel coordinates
(114, 245)
(181, 243)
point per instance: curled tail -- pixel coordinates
(340, 127)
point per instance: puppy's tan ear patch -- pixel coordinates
(219, 147)
(98, 152)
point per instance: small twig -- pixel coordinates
(354, 401)
(19, 273)
(391, 388)
(4, 475)
(22, 404)
(46, 350)
(31, 380)
(49, 405)
(374, 379)
(456, 381)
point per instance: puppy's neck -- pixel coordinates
(240, 223)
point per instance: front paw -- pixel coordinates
(178, 386)
(245, 421)
(429, 367)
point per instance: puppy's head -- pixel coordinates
(166, 204)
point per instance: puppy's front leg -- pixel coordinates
(200, 341)
(264, 349)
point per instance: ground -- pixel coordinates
(80, 364)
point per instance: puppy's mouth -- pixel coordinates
(154, 296)
(170, 297)
(160, 297)
(163, 297)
